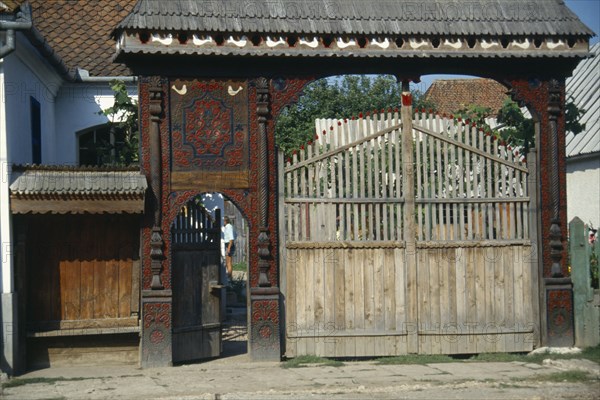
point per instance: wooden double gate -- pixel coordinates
(407, 233)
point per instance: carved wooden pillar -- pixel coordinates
(156, 346)
(264, 253)
(264, 339)
(559, 288)
(156, 241)
(545, 99)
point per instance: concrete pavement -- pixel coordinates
(237, 377)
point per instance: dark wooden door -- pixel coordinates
(196, 237)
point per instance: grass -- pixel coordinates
(241, 266)
(28, 381)
(563, 376)
(590, 353)
(305, 361)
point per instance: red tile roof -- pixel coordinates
(451, 95)
(79, 31)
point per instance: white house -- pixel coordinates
(55, 69)
(583, 150)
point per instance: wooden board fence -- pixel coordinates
(406, 233)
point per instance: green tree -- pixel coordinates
(123, 123)
(515, 129)
(338, 98)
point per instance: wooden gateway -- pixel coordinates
(425, 263)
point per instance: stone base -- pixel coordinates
(156, 341)
(559, 312)
(264, 337)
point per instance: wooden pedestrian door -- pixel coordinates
(407, 234)
(196, 256)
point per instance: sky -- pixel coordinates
(587, 10)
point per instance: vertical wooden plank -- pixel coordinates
(510, 194)
(291, 301)
(369, 149)
(498, 297)
(409, 216)
(349, 297)
(340, 300)
(462, 299)
(492, 257)
(359, 294)
(376, 192)
(489, 192)
(509, 301)
(469, 192)
(302, 326)
(70, 276)
(497, 193)
(390, 297)
(397, 168)
(389, 223)
(319, 290)
(471, 285)
(462, 193)
(420, 190)
(444, 171)
(480, 268)
(456, 216)
(476, 188)
(309, 309)
(369, 298)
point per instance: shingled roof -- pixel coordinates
(378, 17)
(376, 28)
(79, 32)
(452, 95)
(64, 189)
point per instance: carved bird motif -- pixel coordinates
(454, 45)
(384, 44)
(486, 45)
(553, 45)
(239, 43)
(233, 92)
(415, 45)
(342, 45)
(272, 43)
(199, 42)
(166, 40)
(181, 91)
(313, 43)
(524, 45)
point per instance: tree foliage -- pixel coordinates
(123, 122)
(337, 98)
(515, 128)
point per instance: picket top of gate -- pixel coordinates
(195, 228)
(434, 125)
(349, 183)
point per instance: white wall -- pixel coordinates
(24, 77)
(77, 107)
(583, 190)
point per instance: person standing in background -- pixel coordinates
(228, 237)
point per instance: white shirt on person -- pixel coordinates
(228, 235)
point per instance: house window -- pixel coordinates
(99, 145)
(36, 131)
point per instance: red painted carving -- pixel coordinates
(265, 310)
(534, 94)
(209, 125)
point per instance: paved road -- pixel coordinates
(238, 378)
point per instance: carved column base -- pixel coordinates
(156, 341)
(264, 337)
(559, 312)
